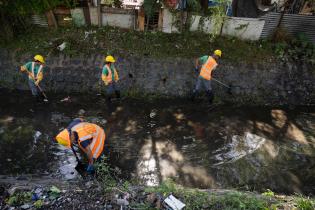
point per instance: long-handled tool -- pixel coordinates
(229, 87)
(43, 93)
(75, 154)
(80, 166)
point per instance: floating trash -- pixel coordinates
(66, 99)
(239, 147)
(62, 46)
(153, 113)
(36, 136)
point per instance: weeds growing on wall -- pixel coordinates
(133, 43)
(217, 17)
(298, 48)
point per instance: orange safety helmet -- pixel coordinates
(63, 138)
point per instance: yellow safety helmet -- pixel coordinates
(218, 53)
(110, 59)
(39, 58)
(63, 138)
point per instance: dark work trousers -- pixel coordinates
(207, 85)
(111, 88)
(33, 87)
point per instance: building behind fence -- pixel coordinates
(165, 21)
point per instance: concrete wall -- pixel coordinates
(94, 16)
(200, 23)
(118, 18)
(267, 83)
(168, 25)
(243, 28)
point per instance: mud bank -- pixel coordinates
(89, 195)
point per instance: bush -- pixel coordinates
(298, 49)
(106, 175)
(305, 204)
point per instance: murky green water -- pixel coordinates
(243, 147)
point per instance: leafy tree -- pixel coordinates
(14, 14)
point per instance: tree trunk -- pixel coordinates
(147, 26)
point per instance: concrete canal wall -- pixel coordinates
(266, 83)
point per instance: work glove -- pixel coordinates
(90, 169)
(23, 68)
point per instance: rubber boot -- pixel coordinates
(108, 99)
(210, 96)
(117, 92)
(40, 99)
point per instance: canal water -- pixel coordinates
(230, 146)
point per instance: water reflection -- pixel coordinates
(229, 147)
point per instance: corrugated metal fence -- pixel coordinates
(294, 24)
(39, 20)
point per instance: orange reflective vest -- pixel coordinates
(208, 67)
(109, 78)
(33, 76)
(95, 133)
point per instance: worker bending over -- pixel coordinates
(110, 77)
(34, 70)
(90, 138)
(207, 64)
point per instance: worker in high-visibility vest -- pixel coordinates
(208, 65)
(89, 137)
(34, 69)
(110, 77)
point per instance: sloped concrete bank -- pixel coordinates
(267, 83)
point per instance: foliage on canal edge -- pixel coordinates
(203, 199)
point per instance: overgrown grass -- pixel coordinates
(199, 199)
(305, 203)
(196, 199)
(231, 200)
(108, 40)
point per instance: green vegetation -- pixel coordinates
(38, 204)
(196, 199)
(105, 175)
(150, 7)
(19, 198)
(108, 40)
(305, 203)
(218, 15)
(298, 48)
(268, 193)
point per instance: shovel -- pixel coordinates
(80, 167)
(229, 87)
(43, 93)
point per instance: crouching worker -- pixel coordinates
(34, 70)
(90, 138)
(110, 77)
